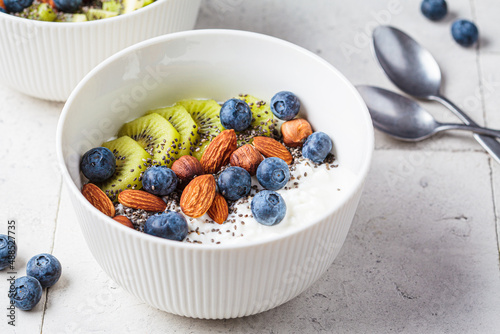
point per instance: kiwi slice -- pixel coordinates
(99, 14)
(131, 5)
(66, 17)
(112, 6)
(45, 13)
(79, 18)
(131, 162)
(156, 135)
(38, 11)
(263, 121)
(206, 114)
(184, 124)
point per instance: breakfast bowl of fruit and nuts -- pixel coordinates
(215, 173)
(48, 46)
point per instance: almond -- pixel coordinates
(124, 221)
(186, 168)
(295, 132)
(98, 199)
(246, 157)
(270, 147)
(140, 199)
(218, 210)
(219, 151)
(198, 196)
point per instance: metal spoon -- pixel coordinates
(404, 119)
(415, 71)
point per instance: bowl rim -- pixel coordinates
(117, 18)
(348, 195)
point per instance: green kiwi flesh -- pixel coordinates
(184, 124)
(39, 12)
(112, 6)
(131, 5)
(66, 17)
(45, 12)
(155, 135)
(263, 121)
(131, 162)
(206, 114)
(99, 14)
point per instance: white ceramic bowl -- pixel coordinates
(48, 59)
(214, 281)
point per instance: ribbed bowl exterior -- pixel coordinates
(47, 59)
(217, 283)
(228, 280)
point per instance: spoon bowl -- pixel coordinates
(409, 66)
(415, 71)
(405, 119)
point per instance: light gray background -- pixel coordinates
(422, 253)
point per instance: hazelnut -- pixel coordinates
(246, 157)
(186, 168)
(295, 132)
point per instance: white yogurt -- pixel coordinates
(306, 197)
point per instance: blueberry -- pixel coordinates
(235, 114)
(46, 268)
(159, 180)
(234, 183)
(434, 9)
(268, 207)
(68, 6)
(27, 293)
(170, 225)
(16, 6)
(317, 147)
(285, 105)
(98, 164)
(464, 32)
(2, 10)
(8, 251)
(273, 173)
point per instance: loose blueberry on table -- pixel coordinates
(8, 251)
(27, 293)
(464, 32)
(434, 9)
(46, 268)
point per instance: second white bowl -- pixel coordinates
(48, 59)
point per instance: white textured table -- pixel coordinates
(422, 253)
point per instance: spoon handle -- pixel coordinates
(475, 129)
(490, 144)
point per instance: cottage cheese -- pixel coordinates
(311, 191)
